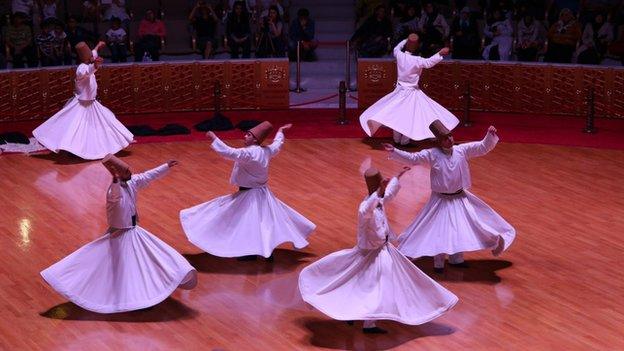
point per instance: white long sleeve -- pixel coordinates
(411, 158)
(479, 148)
(142, 180)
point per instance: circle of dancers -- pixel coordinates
(129, 268)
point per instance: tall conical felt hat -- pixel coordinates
(439, 129)
(83, 51)
(261, 131)
(373, 179)
(412, 43)
(114, 164)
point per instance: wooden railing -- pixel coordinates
(505, 87)
(150, 87)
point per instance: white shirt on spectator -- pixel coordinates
(504, 39)
(439, 23)
(116, 35)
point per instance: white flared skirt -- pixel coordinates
(408, 111)
(455, 223)
(123, 270)
(357, 284)
(86, 129)
(248, 222)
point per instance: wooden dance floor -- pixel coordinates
(559, 287)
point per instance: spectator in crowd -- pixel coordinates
(597, 36)
(116, 9)
(364, 9)
(238, 31)
(48, 8)
(116, 38)
(434, 28)
(25, 7)
(271, 35)
(249, 5)
(563, 36)
(530, 39)
(204, 21)
(61, 43)
(76, 34)
(90, 11)
(500, 31)
(371, 38)
(45, 41)
(151, 33)
(302, 30)
(19, 39)
(407, 24)
(3, 64)
(265, 5)
(466, 39)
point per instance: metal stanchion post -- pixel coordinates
(217, 98)
(589, 126)
(342, 104)
(348, 63)
(467, 98)
(298, 88)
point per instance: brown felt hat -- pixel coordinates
(412, 43)
(114, 165)
(373, 179)
(439, 129)
(83, 51)
(261, 131)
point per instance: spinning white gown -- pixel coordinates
(126, 269)
(83, 126)
(248, 222)
(453, 223)
(373, 280)
(407, 109)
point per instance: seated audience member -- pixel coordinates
(597, 36)
(90, 11)
(264, 6)
(76, 34)
(364, 9)
(45, 41)
(500, 31)
(151, 33)
(116, 39)
(19, 39)
(371, 38)
(302, 30)
(563, 36)
(238, 31)
(3, 63)
(434, 29)
(61, 43)
(466, 39)
(204, 21)
(407, 24)
(271, 35)
(529, 38)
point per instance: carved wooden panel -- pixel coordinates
(28, 95)
(241, 84)
(116, 88)
(376, 78)
(206, 74)
(6, 97)
(273, 83)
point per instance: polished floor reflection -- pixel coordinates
(559, 286)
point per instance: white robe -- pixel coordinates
(504, 40)
(407, 109)
(126, 269)
(373, 280)
(83, 126)
(453, 223)
(248, 222)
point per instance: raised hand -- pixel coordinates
(382, 187)
(284, 127)
(444, 51)
(492, 130)
(172, 163)
(387, 147)
(211, 136)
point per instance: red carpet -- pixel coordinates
(321, 123)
